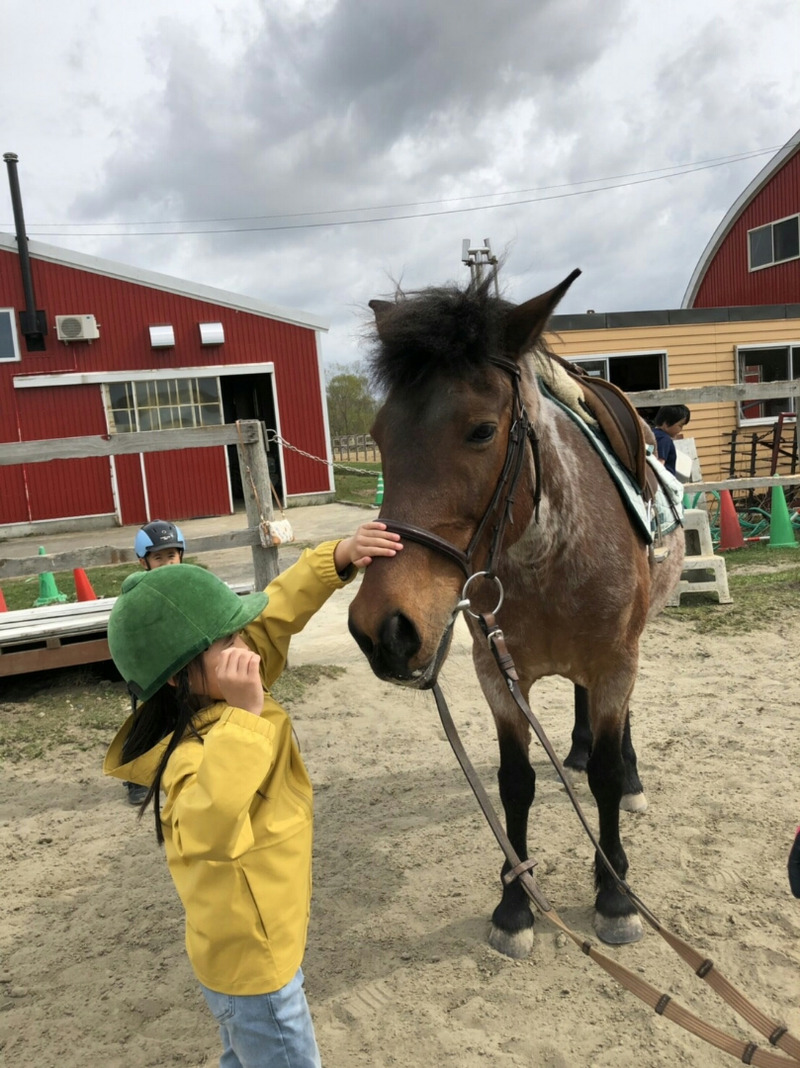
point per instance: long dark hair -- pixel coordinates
(172, 709)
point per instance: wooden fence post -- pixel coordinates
(257, 498)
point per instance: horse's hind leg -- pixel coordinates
(633, 799)
(512, 920)
(578, 756)
(616, 919)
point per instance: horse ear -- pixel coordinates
(381, 309)
(527, 321)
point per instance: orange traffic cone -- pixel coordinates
(3, 605)
(83, 588)
(730, 533)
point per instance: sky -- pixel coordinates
(315, 154)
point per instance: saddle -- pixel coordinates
(621, 424)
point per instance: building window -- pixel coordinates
(163, 404)
(632, 372)
(780, 363)
(9, 345)
(774, 243)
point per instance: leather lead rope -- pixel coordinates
(747, 1052)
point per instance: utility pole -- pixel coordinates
(476, 258)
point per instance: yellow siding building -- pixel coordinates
(691, 348)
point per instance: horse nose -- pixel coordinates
(397, 642)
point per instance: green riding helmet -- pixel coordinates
(163, 619)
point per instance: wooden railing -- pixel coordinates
(247, 435)
(355, 447)
(723, 395)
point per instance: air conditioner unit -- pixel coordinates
(77, 328)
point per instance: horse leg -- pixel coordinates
(616, 919)
(633, 799)
(512, 921)
(578, 756)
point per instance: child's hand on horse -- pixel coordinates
(370, 540)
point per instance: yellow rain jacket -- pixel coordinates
(237, 816)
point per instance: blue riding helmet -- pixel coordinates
(159, 534)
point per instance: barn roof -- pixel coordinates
(166, 283)
(735, 211)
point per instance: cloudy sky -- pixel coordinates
(311, 153)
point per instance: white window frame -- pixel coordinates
(773, 262)
(12, 317)
(608, 356)
(135, 409)
(742, 350)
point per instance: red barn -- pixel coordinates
(129, 350)
(753, 258)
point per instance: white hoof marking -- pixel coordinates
(633, 803)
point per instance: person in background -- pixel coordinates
(158, 544)
(668, 425)
(236, 817)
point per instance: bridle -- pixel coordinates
(520, 433)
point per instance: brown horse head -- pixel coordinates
(450, 362)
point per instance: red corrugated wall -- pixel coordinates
(66, 488)
(727, 281)
(186, 483)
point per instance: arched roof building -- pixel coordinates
(753, 257)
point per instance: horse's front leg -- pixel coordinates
(616, 919)
(633, 798)
(512, 921)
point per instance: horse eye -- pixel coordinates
(483, 433)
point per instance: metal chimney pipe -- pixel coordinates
(33, 322)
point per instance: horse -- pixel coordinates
(484, 472)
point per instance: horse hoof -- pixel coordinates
(618, 930)
(633, 803)
(516, 944)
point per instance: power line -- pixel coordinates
(654, 175)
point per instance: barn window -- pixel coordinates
(774, 243)
(778, 363)
(9, 346)
(163, 404)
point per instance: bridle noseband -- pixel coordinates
(520, 433)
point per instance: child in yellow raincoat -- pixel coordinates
(236, 817)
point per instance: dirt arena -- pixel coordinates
(398, 970)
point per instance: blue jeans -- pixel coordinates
(265, 1030)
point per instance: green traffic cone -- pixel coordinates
(379, 491)
(49, 593)
(781, 531)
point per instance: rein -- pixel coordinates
(664, 1005)
(521, 432)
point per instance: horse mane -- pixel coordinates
(452, 330)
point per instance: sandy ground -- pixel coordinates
(398, 970)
